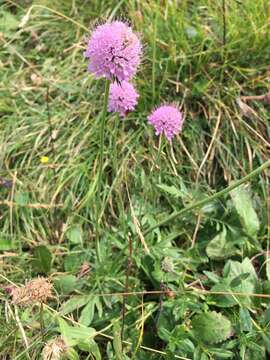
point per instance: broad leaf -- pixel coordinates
(42, 259)
(244, 207)
(245, 320)
(211, 327)
(73, 335)
(88, 312)
(74, 303)
(74, 234)
(220, 247)
(6, 243)
(65, 284)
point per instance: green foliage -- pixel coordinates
(42, 259)
(244, 207)
(210, 261)
(211, 327)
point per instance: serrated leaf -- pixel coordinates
(42, 259)
(171, 190)
(211, 327)
(243, 204)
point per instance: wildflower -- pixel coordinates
(34, 291)
(54, 349)
(122, 98)
(166, 119)
(114, 51)
(44, 159)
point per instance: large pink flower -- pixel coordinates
(114, 51)
(122, 98)
(166, 119)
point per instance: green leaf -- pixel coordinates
(117, 343)
(212, 276)
(239, 279)
(65, 284)
(91, 347)
(73, 335)
(222, 300)
(219, 247)
(245, 320)
(243, 204)
(73, 262)
(211, 327)
(42, 259)
(8, 22)
(222, 353)
(6, 243)
(21, 198)
(266, 340)
(242, 278)
(74, 234)
(72, 354)
(268, 268)
(171, 190)
(74, 303)
(88, 312)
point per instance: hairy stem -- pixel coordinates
(101, 162)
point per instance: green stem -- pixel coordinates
(41, 319)
(154, 59)
(217, 195)
(101, 162)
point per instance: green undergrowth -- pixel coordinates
(49, 207)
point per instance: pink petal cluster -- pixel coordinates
(166, 119)
(114, 51)
(122, 98)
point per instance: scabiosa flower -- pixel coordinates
(114, 51)
(122, 98)
(54, 349)
(166, 119)
(38, 290)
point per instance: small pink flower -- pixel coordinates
(114, 51)
(166, 119)
(122, 98)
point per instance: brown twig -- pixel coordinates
(32, 206)
(264, 97)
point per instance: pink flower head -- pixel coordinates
(166, 119)
(114, 51)
(122, 98)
